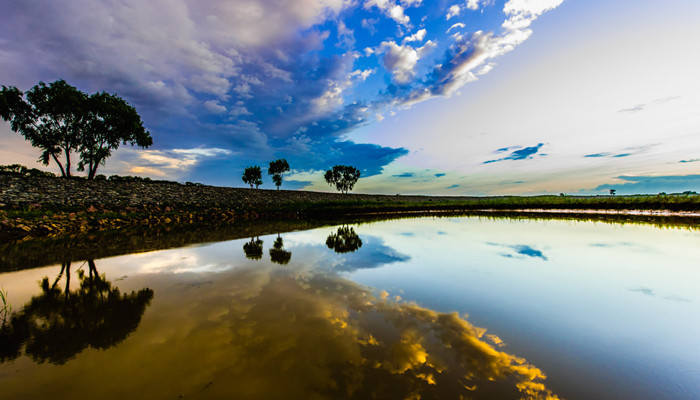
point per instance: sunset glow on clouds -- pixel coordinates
(405, 90)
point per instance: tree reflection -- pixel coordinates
(345, 240)
(59, 323)
(278, 254)
(254, 249)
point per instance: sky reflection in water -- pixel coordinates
(605, 311)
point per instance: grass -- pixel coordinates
(5, 308)
(638, 202)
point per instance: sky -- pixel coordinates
(447, 97)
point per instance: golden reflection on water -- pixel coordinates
(269, 332)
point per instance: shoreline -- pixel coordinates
(34, 207)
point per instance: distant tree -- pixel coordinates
(343, 177)
(252, 176)
(277, 169)
(612, 192)
(253, 249)
(278, 254)
(60, 120)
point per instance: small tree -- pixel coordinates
(277, 169)
(612, 192)
(343, 177)
(252, 176)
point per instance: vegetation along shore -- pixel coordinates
(32, 205)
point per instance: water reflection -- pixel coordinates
(278, 254)
(254, 249)
(59, 323)
(345, 240)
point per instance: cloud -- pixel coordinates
(643, 106)
(168, 163)
(453, 11)
(521, 154)
(401, 60)
(458, 25)
(522, 250)
(390, 9)
(416, 37)
(472, 4)
(251, 75)
(653, 184)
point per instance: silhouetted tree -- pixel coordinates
(60, 120)
(278, 254)
(343, 177)
(253, 249)
(109, 121)
(277, 169)
(58, 324)
(345, 240)
(612, 192)
(252, 176)
(50, 119)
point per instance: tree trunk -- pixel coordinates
(63, 172)
(67, 162)
(92, 170)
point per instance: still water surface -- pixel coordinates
(431, 308)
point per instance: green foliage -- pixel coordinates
(5, 308)
(108, 122)
(24, 171)
(277, 169)
(61, 120)
(343, 177)
(253, 176)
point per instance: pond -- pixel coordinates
(429, 308)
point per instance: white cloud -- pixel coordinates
(453, 11)
(486, 69)
(473, 4)
(167, 163)
(532, 8)
(332, 97)
(402, 60)
(391, 9)
(416, 37)
(214, 107)
(458, 25)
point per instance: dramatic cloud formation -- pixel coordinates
(258, 79)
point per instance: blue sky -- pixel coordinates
(435, 97)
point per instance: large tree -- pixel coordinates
(277, 169)
(61, 120)
(51, 119)
(252, 176)
(109, 121)
(343, 177)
